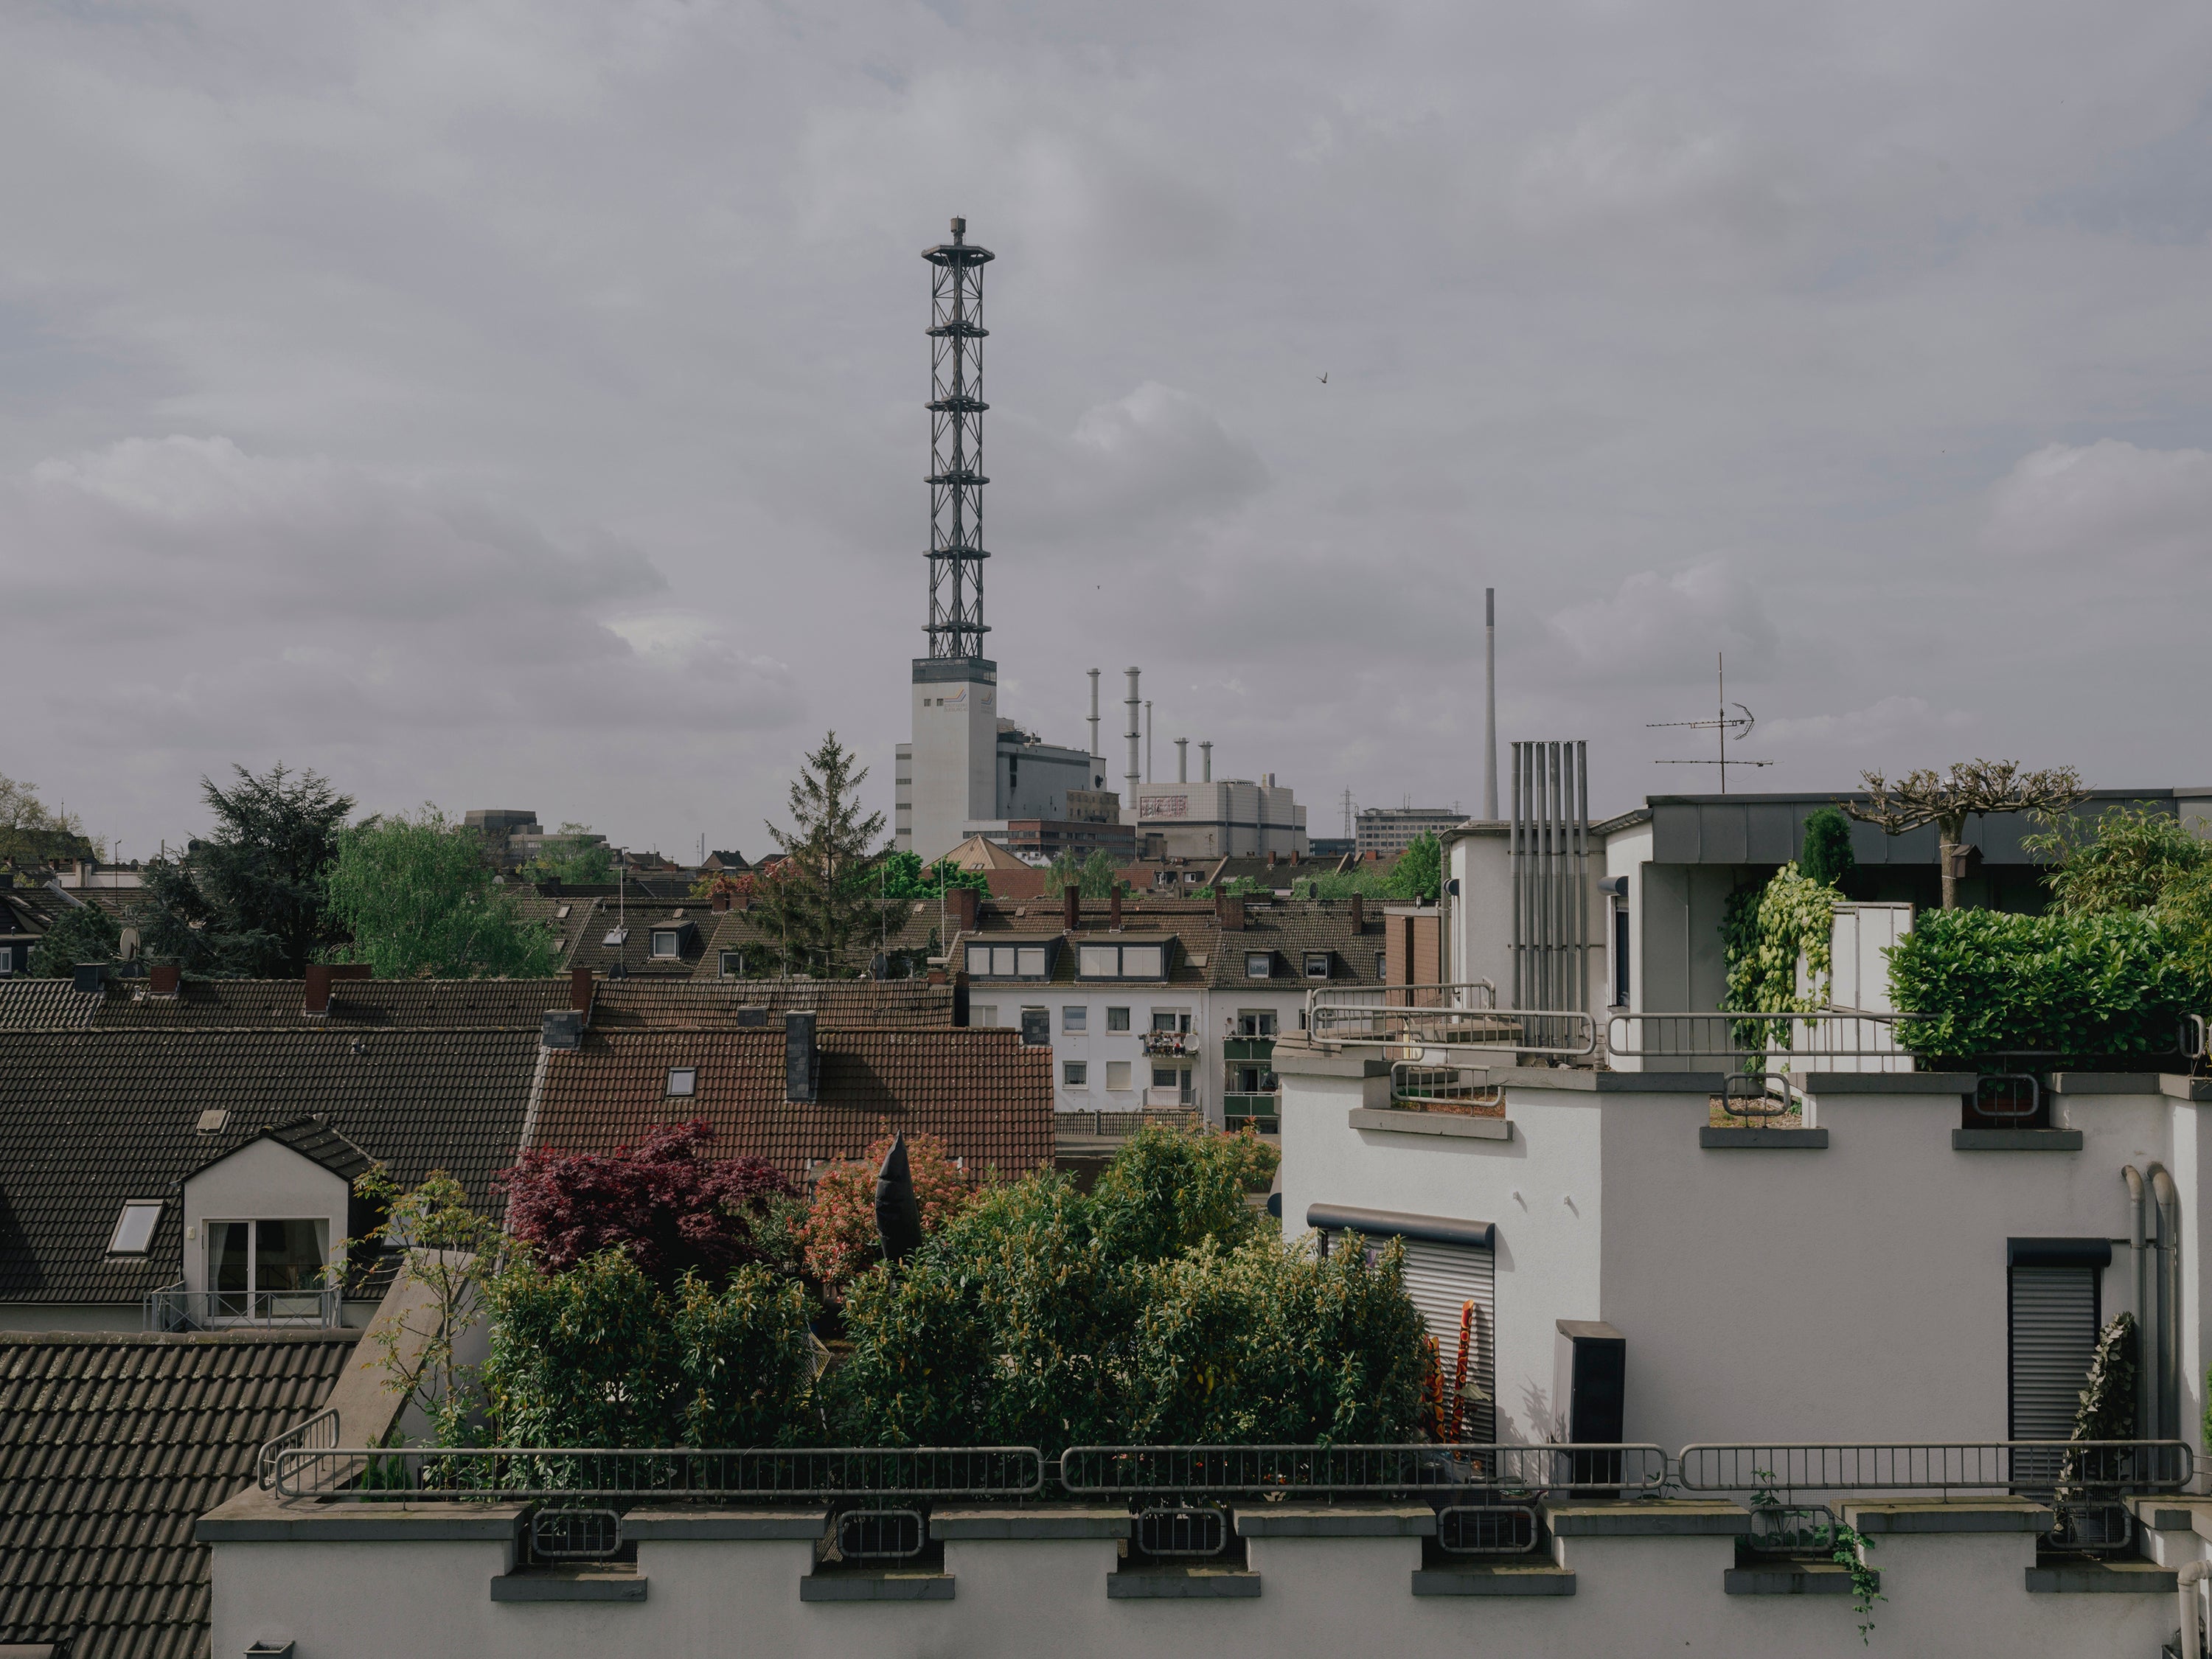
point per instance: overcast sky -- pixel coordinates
(521, 405)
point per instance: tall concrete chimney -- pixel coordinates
(1131, 703)
(1182, 760)
(1205, 761)
(1148, 739)
(1490, 704)
(1097, 755)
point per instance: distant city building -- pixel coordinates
(1333, 846)
(1391, 830)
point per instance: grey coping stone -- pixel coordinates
(2104, 1083)
(1182, 1585)
(731, 1525)
(1066, 1522)
(2015, 1140)
(1885, 1083)
(1392, 1120)
(570, 1584)
(2185, 1088)
(1678, 1517)
(1301, 1059)
(1337, 1520)
(876, 1587)
(1937, 1515)
(1495, 1578)
(2100, 1578)
(1791, 1578)
(255, 1516)
(2173, 1513)
(1608, 1083)
(1720, 1139)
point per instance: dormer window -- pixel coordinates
(1259, 964)
(682, 1082)
(1317, 964)
(134, 1228)
(667, 944)
(734, 964)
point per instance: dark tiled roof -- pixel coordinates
(627, 1004)
(568, 918)
(636, 919)
(279, 1004)
(1208, 953)
(987, 1097)
(90, 1118)
(740, 929)
(44, 1004)
(111, 1447)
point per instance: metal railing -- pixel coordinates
(317, 1433)
(1228, 1471)
(1365, 1013)
(2032, 1467)
(1441, 1088)
(1745, 1040)
(1119, 1125)
(1396, 1015)
(173, 1308)
(412, 1474)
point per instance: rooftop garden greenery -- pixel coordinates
(1160, 1306)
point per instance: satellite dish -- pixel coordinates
(126, 946)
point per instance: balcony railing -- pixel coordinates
(1248, 1048)
(1421, 1088)
(173, 1308)
(1825, 1039)
(1436, 1015)
(1262, 1110)
(1162, 1045)
(1117, 1126)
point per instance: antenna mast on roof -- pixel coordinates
(1740, 725)
(955, 446)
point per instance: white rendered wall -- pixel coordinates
(1482, 914)
(260, 1182)
(955, 751)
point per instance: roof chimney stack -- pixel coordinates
(316, 1001)
(1071, 906)
(802, 1060)
(161, 979)
(961, 908)
(1229, 909)
(1359, 912)
(1114, 909)
(579, 991)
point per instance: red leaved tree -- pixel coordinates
(842, 1239)
(665, 1200)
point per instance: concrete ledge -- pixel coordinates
(1607, 1082)
(1392, 1120)
(1064, 1522)
(570, 1584)
(1538, 1577)
(1182, 1585)
(2104, 1083)
(1678, 1517)
(1295, 1058)
(2174, 1512)
(2185, 1088)
(1791, 1578)
(876, 1587)
(1886, 1082)
(2100, 1578)
(2015, 1140)
(1716, 1139)
(751, 1526)
(1337, 1520)
(1936, 1515)
(255, 1516)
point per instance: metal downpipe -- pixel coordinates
(2146, 1319)
(2169, 1323)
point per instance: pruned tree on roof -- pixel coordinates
(824, 900)
(1946, 799)
(249, 902)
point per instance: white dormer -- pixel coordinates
(262, 1223)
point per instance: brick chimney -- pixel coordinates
(961, 909)
(161, 979)
(960, 1000)
(579, 991)
(1114, 910)
(1229, 910)
(721, 899)
(1071, 906)
(802, 1060)
(1271, 858)
(1359, 912)
(315, 1002)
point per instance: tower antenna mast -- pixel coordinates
(1725, 727)
(955, 446)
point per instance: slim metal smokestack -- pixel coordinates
(1489, 704)
(1130, 702)
(1095, 754)
(1205, 761)
(1182, 760)
(1148, 739)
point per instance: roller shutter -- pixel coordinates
(2054, 1337)
(1441, 1277)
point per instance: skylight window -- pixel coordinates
(615, 937)
(134, 1228)
(682, 1082)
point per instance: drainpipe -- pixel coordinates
(2190, 1575)
(2146, 1395)
(2169, 1240)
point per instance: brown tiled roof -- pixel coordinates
(636, 919)
(740, 929)
(988, 1098)
(1207, 953)
(619, 1004)
(90, 1118)
(277, 1005)
(111, 1447)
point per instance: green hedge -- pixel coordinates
(2084, 988)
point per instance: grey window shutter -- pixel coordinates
(1441, 1279)
(2054, 1337)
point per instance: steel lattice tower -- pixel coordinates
(955, 447)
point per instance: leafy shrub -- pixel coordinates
(1827, 858)
(2129, 859)
(840, 1239)
(2079, 987)
(1164, 1192)
(596, 1354)
(671, 1207)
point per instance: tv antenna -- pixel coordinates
(1727, 728)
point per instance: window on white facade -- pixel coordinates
(253, 1265)
(1117, 1019)
(1075, 1073)
(983, 1015)
(1075, 1018)
(1255, 1022)
(134, 1228)
(1259, 964)
(1117, 1074)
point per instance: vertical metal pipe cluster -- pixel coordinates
(1549, 855)
(955, 446)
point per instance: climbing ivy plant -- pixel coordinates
(1763, 933)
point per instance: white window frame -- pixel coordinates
(723, 964)
(1312, 957)
(1075, 1074)
(1121, 1068)
(673, 937)
(1075, 1018)
(1267, 961)
(1117, 1019)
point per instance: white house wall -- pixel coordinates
(261, 1181)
